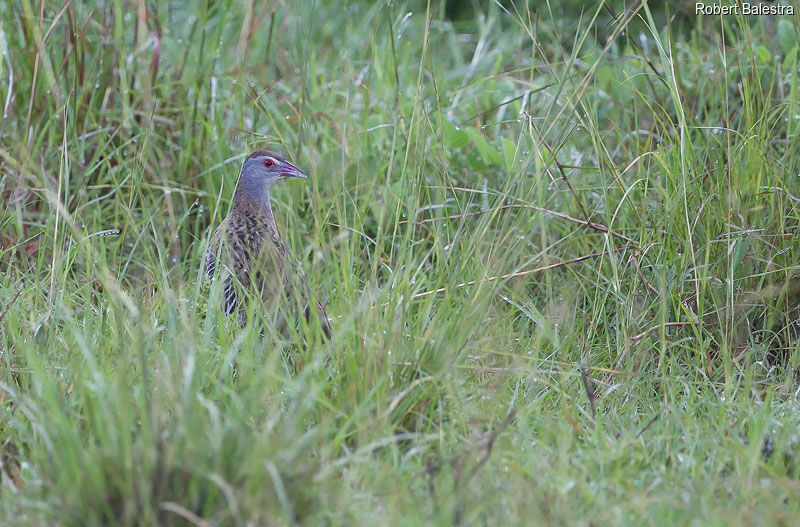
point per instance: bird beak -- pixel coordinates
(289, 170)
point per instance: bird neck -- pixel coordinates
(252, 198)
(251, 186)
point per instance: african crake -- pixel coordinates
(252, 252)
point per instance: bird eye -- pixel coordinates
(269, 163)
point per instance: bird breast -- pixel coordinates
(254, 242)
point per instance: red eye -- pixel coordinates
(269, 163)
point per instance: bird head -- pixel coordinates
(261, 169)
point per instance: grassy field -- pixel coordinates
(557, 242)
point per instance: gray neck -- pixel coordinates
(252, 187)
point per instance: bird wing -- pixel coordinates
(213, 256)
(212, 253)
(235, 242)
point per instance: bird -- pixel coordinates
(253, 255)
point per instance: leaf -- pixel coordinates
(791, 58)
(787, 35)
(509, 150)
(489, 155)
(605, 78)
(763, 54)
(737, 252)
(396, 190)
(453, 137)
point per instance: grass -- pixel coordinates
(558, 243)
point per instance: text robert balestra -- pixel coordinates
(744, 8)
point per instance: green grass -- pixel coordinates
(508, 211)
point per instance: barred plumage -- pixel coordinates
(253, 255)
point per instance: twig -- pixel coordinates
(515, 275)
(8, 307)
(633, 340)
(488, 443)
(487, 446)
(647, 283)
(589, 387)
(432, 467)
(560, 215)
(183, 512)
(636, 338)
(558, 165)
(648, 425)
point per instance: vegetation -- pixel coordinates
(557, 240)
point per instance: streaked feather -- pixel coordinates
(256, 258)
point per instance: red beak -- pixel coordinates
(289, 170)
